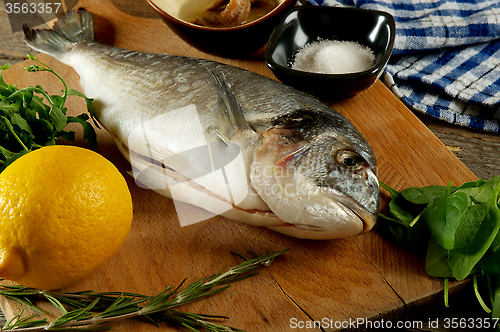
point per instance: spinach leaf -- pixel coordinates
(423, 195)
(471, 188)
(400, 210)
(496, 299)
(401, 223)
(436, 263)
(443, 214)
(462, 228)
(414, 238)
(490, 262)
(487, 190)
(475, 233)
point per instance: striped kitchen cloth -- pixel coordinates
(446, 57)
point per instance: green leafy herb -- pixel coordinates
(459, 228)
(423, 195)
(401, 220)
(495, 295)
(28, 123)
(88, 310)
(443, 214)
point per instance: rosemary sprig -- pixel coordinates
(89, 310)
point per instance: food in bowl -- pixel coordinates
(305, 24)
(225, 13)
(333, 57)
(235, 41)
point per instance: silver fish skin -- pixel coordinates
(301, 168)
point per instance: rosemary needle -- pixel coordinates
(89, 310)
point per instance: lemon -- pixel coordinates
(64, 211)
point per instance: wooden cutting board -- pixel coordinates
(361, 277)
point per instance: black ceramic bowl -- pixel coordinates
(305, 24)
(228, 42)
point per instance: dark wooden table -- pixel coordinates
(479, 151)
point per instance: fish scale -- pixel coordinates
(224, 139)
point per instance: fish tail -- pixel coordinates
(71, 28)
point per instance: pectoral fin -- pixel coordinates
(228, 115)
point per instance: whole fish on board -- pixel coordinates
(227, 140)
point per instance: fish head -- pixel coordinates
(320, 182)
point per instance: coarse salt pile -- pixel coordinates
(333, 57)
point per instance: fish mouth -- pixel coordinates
(367, 218)
(315, 232)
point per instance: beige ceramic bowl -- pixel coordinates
(229, 42)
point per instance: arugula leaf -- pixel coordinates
(10, 156)
(27, 123)
(58, 118)
(10, 129)
(18, 120)
(4, 85)
(88, 101)
(39, 108)
(88, 130)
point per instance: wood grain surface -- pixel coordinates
(361, 277)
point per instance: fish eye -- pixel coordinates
(351, 160)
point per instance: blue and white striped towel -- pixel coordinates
(446, 57)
